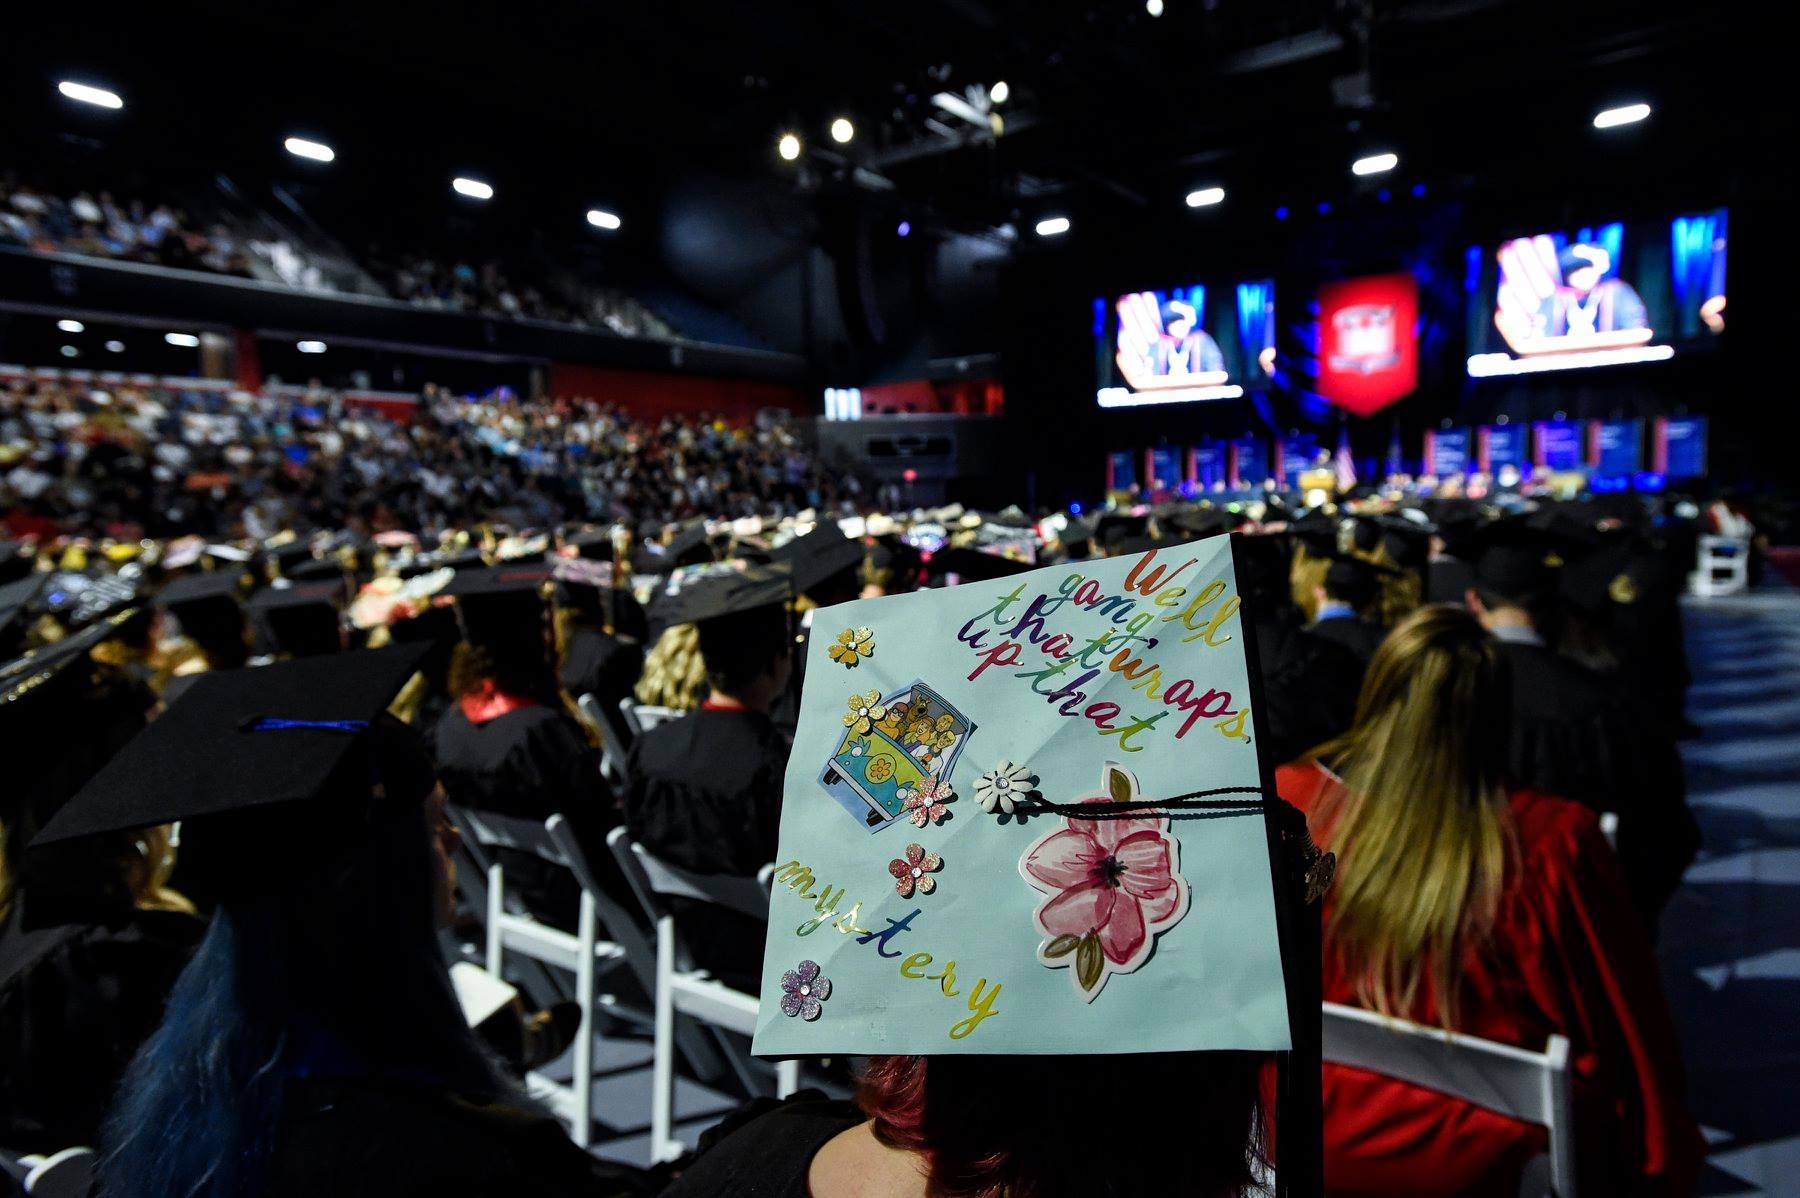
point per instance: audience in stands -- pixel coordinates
(1465, 901)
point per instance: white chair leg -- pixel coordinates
(496, 907)
(662, 1109)
(583, 1078)
(787, 1078)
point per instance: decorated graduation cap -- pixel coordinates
(245, 739)
(1027, 816)
(698, 594)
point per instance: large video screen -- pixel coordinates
(1604, 295)
(1183, 345)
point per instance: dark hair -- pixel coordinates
(322, 957)
(739, 647)
(1355, 587)
(1045, 1127)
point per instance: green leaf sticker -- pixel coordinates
(1062, 946)
(1118, 782)
(1089, 962)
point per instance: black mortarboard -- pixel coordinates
(593, 545)
(726, 588)
(193, 589)
(77, 598)
(1127, 546)
(1195, 522)
(22, 674)
(243, 739)
(1354, 579)
(1317, 532)
(1512, 563)
(15, 561)
(1112, 527)
(314, 570)
(498, 580)
(302, 619)
(688, 547)
(16, 599)
(285, 555)
(972, 565)
(817, 556)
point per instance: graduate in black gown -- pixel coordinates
(507, 744)
(1576, 736)
(90, 941)
(705, 789)
(1345, 600)
(314, 1044)
(600, 632)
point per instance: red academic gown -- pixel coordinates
(1567, 956)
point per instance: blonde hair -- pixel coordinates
(1400, 593)
(1419, 817)
(674, 672)
(1305, 576)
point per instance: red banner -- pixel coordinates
(1368, 341)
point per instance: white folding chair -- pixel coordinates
(65, 1174)
(629, 709)
(1721, 568)
(612, 749)
(641, 717)
(1532, 1087)
(683, 989)
(583, 952)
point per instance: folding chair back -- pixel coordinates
(612, 749)
(65, 1174)
(584, 953)
(683, 989)
(641, 717)
(1722, 567)
(1532, 1087)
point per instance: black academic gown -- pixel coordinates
(1359, 636)
(767, 1154)
(532, 763)
(366, 1138)
(705, 794)
(599, 664)
(78, 994)
(1575, 736)
(1309, 687)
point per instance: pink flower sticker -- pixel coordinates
(1114, 886)
(913, 872)
(926, 802)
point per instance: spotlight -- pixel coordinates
(71, 326)
(1418, 191)
(1324, 208)
(600, 218)
(318, 151)
(475, 189)
(999, 92)
(905, 228)
(69, 351)
(1375, 164)
(115, 347)
(1629, 114)
(1281, 213)
(842, 130)
(1154, 7)
(789, 146)
(184, 340)
(1054, 226)
(1205, 197)
(97, 96)
(310, 347)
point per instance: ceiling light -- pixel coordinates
(1630, 114)
(1053, 226)
(115, 347)
(904, 228)
(97, 96)
(69, 351)
(600, 218)
(999, 92)
(318, 151)
(71, 326)
(789, 146)
(1205, 196)
(184, 340)
(1154, 7)
(475, 189)
(1374, 164)
(842, 130)
(310, 347)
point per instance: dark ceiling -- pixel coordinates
(570, 104)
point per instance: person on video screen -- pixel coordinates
(1588, 302)
(1185, 347)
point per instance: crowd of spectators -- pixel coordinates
(97, 224)
(134, 462)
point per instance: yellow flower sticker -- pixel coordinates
(852, 645)
(865, 712)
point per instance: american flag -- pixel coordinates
(1343, 462)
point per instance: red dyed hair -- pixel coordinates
(1173, 1125)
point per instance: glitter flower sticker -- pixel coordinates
(926, 802)
(913, 872)
(852, 645)
(865, 712)
(1002, 787)
(802, 990)
(1113, 886)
